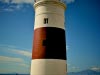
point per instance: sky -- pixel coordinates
(82, 35)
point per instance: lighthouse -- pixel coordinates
(49, 44)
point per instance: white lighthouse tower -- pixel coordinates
(49, 46)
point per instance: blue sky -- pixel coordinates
(82, 35)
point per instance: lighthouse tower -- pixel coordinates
(49, 44)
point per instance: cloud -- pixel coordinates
(21, 68)
(16, 62)
(9, 46)
(24, 65)
(67, 47)
(12, 5)
(6, 70)
(22, 52)
(6, 1)
(8, 9)
(70, 1)
(23, 1)
(30, 1)
(17, 1)
(95, 68)
(10, 59)
(14, 50)
(68, 64)
(75, 68)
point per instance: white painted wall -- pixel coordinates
(54, 13)
(48, 67)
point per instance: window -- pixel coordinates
(44, 42)
(45, 20)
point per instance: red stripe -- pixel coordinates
(49, 43)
